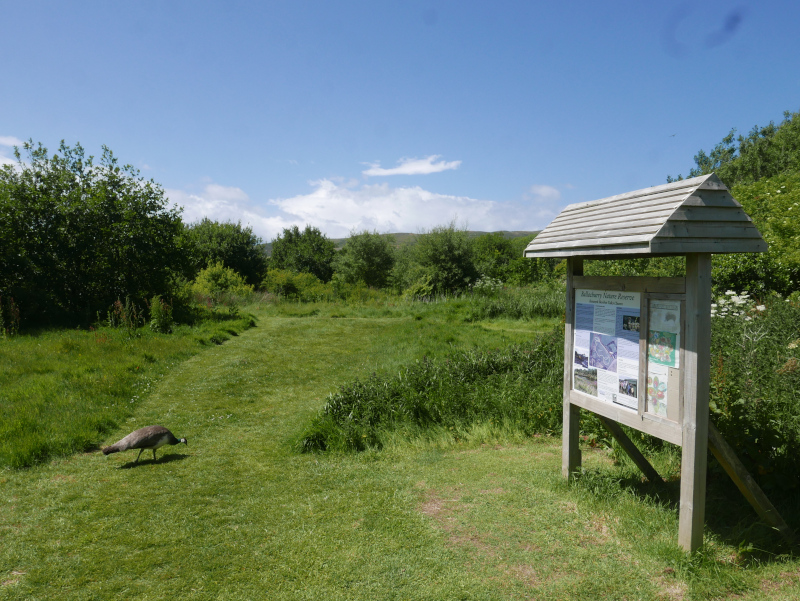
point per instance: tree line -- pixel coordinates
(78, 234)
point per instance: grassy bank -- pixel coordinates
(514, 389)
(61, 391)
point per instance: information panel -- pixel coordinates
(663, 358)
(606, 346)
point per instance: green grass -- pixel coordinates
(238, 514)
(516, 388)
(60, 391)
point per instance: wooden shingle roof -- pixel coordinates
(692, 215)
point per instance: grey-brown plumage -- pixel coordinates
(149, 437)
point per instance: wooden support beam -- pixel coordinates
(627, 445)
(744, 481)
(571, 452)
(697, 368)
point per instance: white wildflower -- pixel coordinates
(761, 308)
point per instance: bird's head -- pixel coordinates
(184, 441)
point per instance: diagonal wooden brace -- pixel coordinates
(744, 481)
(627, 445)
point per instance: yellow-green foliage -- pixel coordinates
(216, 279)
(300, 286)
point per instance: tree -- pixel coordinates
(77, 235)
(230, 244)
(366, 257)
(309, 251)
(493, 253)
(440, 260)
(765, 152)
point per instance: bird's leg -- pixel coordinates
(154, 454)
(139, 455)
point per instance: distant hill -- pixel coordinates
(405, 238)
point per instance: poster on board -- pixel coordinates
(663, 353)
(606, 346)
(663, 336)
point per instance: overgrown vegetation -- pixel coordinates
(516, 386)
(755, 383)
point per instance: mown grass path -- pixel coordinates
(239, 515)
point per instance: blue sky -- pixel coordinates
(395, 116)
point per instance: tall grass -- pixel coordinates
(62, 390)
(516, 386)
(518, 303)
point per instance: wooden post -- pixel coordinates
(697, 356)
(571, 452)
(627, 445)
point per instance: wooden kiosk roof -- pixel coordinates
(696, 215)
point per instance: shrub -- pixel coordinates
(160, 315)
(217, 279)
(309, 251)
(440, 260)
(755, 383)
(230, 244)
(487, 286)
(366, 257)
(304, 287)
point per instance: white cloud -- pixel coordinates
(337, 207)
(10, 141)
(545, 193)
(227, 203)
(413, 166)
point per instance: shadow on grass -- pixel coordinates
(165, 459)
(728, 516)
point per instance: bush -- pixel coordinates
(309, 251)
(227, 243)
(160, 315)
(75, 236)
(217, 279)
(366, 257)
(440, 260)
(518, 386)
(305, 287)
(755, 383)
